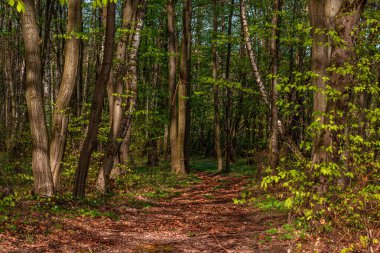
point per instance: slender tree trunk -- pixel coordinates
(217, 131)
(228, 116)
(43, 182)
(66, 88)
(187, 29)
(12, 111)
(115, 92)
(113, 146)
(49, 10)
(97, 105)
(293, 147)
(274, 110)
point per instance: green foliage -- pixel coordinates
(8, 201)
(286, 232)
(100, 3)
(20, 6)
(340, 191)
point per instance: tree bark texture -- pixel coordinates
(274, 150)
(43, 182)
(183, 128)
(228, 123)
(217, 129)
(66, 88)
(173, 88)
(114, 144)
(341, 16)
(115, 87)
(97, 105)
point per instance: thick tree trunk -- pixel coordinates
(341, 16)
(66, 88)
(43, 182)
(217, 131)
(114, 144)
(319, 62)
(183, 131)
(97, 105)
(173, 88)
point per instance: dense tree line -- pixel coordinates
(96, 87)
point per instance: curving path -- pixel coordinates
(202, 218)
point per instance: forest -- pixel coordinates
(190, 126)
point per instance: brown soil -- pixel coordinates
(203, 218)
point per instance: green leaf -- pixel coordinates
(20, 6)
(11, 2)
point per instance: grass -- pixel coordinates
(269, 203)
(208, 165)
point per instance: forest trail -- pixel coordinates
(201, 218)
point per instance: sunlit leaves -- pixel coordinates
(101, 3)
(63, 2)
(20, 6)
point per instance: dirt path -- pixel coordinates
(202, 218)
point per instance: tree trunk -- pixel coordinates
(66, 88)
(43, 182)
(102, 182)
(187, 29)
(319, 63)
(274, 110)
(124, 151)
(228, 115)
(342, 16)
(173, 88)
(97, 105)
(115, 84)
(11, 113)
(217, 131)
(293, 147)
(183, 131)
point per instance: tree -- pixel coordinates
(341, 17)
(184, 89)
(292, 146)
(115, 85)
(173, 96)
(131, 87)
(274, 110)
(43, 181)
(217, 128)
(97, 104)
(66, 89)
(180, 114)
(228, 107)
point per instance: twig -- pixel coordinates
(219, 243)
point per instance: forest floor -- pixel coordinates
(197, 215)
